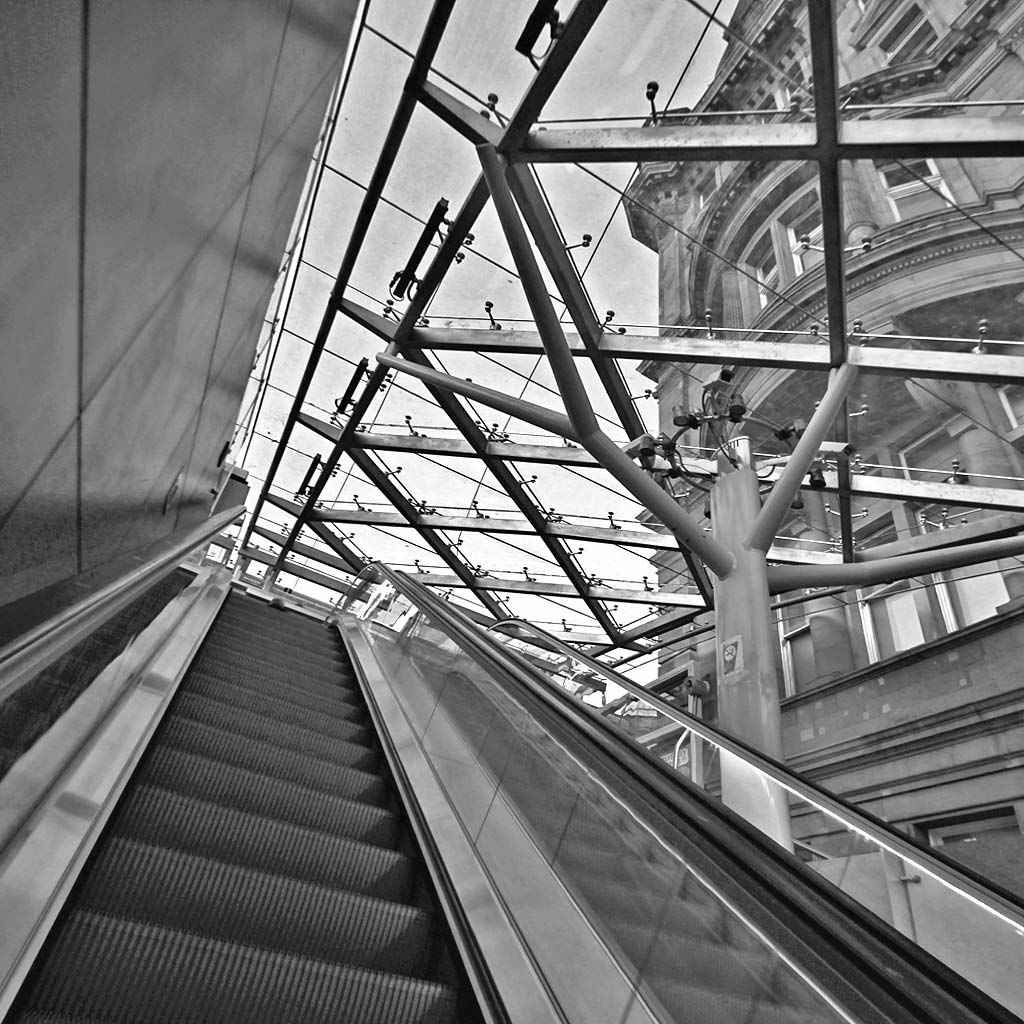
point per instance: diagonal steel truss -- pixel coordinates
(507, 151)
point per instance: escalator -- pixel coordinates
(279, 856)
(259, 867)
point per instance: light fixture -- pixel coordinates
(405, 280)
(652, 91)
(737, 408)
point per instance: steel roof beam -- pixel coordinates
(828, 121)
(931, 364)
(516, 527)
(909, 138)
(975, 495)
(566, 590)
(564, 531)
(1006, 499)
(1002, 525)
(301, 571)
(433, 33)
(452, 447)
(510, 451)
(334, 560)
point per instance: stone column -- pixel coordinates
(826, 617)
(982, 450)
(859, 217)
(732, 305)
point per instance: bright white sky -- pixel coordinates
(635, 41)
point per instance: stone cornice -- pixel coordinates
(923, 247)
(932, 74)
(905, 784)
(992, 716)
(808, 292)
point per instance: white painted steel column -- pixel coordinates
(748, 683)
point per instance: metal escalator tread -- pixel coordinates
(349, 709)
(251, 872)
(127, 972)
(269, 758)
(172, 820)
(264, 681)
(314, 738)
(263, 794)
(139, 881)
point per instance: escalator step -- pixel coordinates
(345, 702)
(256, 756)
(138, 881)
(264, 795)
(338, 694)
(317, 740)
(165, 818)
(124, 972)
(318, 648)
(312, 675)
(277, 707)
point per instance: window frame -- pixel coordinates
(894, 193)
(895, 55)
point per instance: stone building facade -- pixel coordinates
(905, 697)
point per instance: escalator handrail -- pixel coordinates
(25, 657)
(970, 885)
(863, 956)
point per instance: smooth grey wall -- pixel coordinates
(152, 160)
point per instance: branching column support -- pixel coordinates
(577, 405)
(776, 508)
(896, 567)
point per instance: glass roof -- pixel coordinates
(681, 181)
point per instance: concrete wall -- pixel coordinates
(152, 163)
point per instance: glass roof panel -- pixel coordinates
(710, 253)
(722, 60)
(477, 53)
